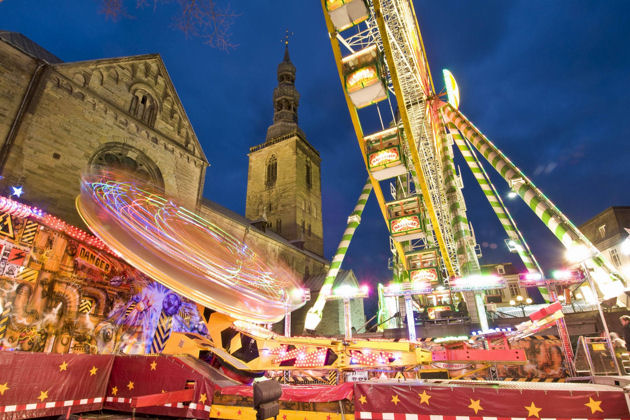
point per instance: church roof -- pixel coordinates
(28, 46)
(316, 281)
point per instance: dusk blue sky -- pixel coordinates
(547, 81)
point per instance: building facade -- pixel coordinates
(608, 231)
(502, 297)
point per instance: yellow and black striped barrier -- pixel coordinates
(29, 232)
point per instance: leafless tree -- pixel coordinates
(198, 18)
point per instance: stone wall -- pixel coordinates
(16, 69)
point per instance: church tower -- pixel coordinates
(283, 180)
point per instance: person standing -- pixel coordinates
(625, 323)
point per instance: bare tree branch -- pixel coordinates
(203, 19)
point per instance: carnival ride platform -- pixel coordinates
(40, 384)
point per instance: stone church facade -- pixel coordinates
(59, 119)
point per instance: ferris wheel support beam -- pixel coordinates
(356, 123)
(499, 208)
(570, 236)
(461, 230)
(411, 141)
(466, 255)
(314, 314)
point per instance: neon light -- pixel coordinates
(384, 157)
(405, 224)
(477, 282)
(452, 90)
(568, 276)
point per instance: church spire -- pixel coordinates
(285, 101)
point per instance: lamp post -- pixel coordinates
(346, 293)
(519, 302)
(305, 295)
(408, 290)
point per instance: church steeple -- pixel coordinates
(285, 101)
(283, 179)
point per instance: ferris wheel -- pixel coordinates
(406, 134)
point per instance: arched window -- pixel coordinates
(123, 157)
(309, 175)
(272, 171)
(143, 107)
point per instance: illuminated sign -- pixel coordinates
(424, 275)
(384, 157)
(405, 224)
(452, 90)
(361, 78)
(94, 259)
(477, 282)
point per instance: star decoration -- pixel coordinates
(424, 397)
(115, 390)
(395, 399)
(203, 398)
(284, 417)
(130, 385)
(17, 191)
(362, 399)
(63, 366)
(3, 387)
(93, 370)
(532, 410)
(42, 395)
(475, 405)
(594, 405)
(153, 365)
(239, 412)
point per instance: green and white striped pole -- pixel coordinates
(558, 223)
(499, 208)
(314, 315)
(466, 255)
(459, 222)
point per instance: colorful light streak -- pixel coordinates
(184, 252)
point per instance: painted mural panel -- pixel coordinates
(59, 293)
